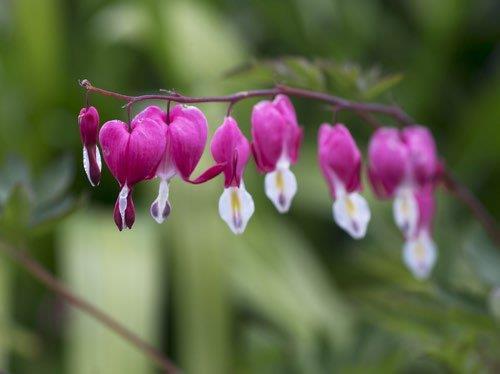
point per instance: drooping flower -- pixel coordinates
(276, 141)
(88, 121)
(340, 161)
(402, 162)
(132, 154)
(185, 135)
(419, 250)
(229, 147)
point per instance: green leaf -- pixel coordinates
(15, 215)
(55, 181)
(382, 85)
(14, 172)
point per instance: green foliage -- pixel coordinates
(29, 204)
(344, 79)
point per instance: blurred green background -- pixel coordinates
(294, 293)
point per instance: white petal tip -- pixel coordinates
(281, 186)
(236, 206)
(352, 214)
(160, 208)
(420, 255)
(405, 210)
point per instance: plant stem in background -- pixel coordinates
(39, 272)
(364, 110)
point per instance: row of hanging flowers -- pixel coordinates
(402, 166)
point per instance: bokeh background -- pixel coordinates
(294, 293)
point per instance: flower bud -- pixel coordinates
(88, 122)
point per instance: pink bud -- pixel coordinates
(88, 121)
(230, 147)
(275, 132)
(339, 158)
(132, 155)
(340, 162)
(388, 161)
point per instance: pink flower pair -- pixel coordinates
(404, 166)
(155, 145)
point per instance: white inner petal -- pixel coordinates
(281, 186)
(122, 203)
(98, 158)
(405, 210)
(236, 206)
(420, 255)
(86, 165)
(352, 213)
(160, 208)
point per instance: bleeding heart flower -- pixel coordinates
(401, 162)
(88, 121)
(276, 141)
(185, 134)
(419, 251)
(340, 162)
(132, 155)
(230, 148)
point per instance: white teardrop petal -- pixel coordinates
(405, 210)
(122, 203)
(352, 213)
(420, 255)
(236, 206)
(160, 209)
(281, 186)
(86, 165)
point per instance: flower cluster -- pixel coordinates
(403, 166)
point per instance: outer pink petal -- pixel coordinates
(388, 161)
(423, 154)
(153, 112)
(145, 150)
(339, 155)
(269, 131)
(230, 147)
(426, 206)
(114, 137)
(188, 136)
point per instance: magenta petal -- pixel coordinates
(283, 104)
(227, 141)
(422, 151)
(152, 112)
(114, 137)
(188, 136)
(339, 157)
(88, 121)
(268, 133)
(129, 213)
(388, 161)
(426, 206)
(145, 150)
(208, 174)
